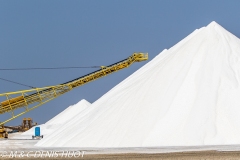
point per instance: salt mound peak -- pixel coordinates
(69, 112)
(84, 102)
(212, 24)
(186, 96)
(215, 27)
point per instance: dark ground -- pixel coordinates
(201, 155)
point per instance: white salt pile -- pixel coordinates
(69, 113)
(187, 95)
(59, 120)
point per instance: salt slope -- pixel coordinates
(60, 119)
(187, 95)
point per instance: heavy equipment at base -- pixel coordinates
(27, 123)
(3, 132)
(33, 98)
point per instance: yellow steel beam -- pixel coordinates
(39, 96)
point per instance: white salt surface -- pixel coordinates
(186, 96)
(57, 121)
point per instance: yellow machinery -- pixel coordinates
(27, 123)
(3, 132)
(33, 98)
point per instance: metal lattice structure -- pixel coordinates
(33, 98)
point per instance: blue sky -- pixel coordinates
(93, 32)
